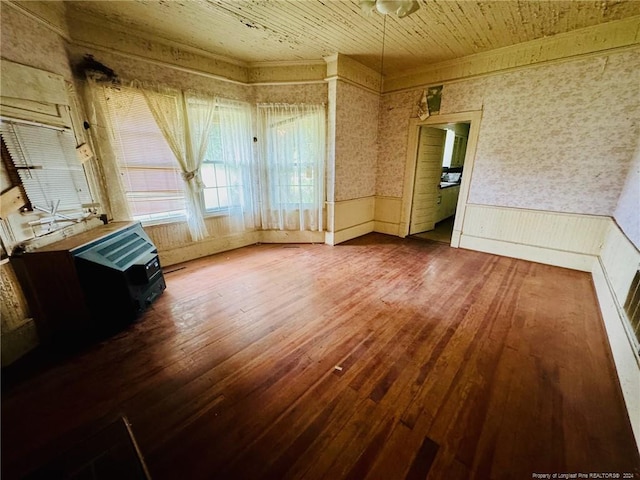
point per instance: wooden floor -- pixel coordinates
(381, 358)
(441, 233)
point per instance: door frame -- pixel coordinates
(473, 118)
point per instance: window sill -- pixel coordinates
(162, 221)
(174, 220)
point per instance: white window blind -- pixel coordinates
(151, 176)
(49, 169)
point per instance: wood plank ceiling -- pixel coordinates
(288, 30)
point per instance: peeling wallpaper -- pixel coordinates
(356, 142)
(28, 42)
(557, 137)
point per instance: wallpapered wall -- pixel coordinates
(556, 137)
(315, 93)
(132, 69)
(28, 42)
(357, 112)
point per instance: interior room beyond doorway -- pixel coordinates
(438, 176)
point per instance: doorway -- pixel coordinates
(438, 171)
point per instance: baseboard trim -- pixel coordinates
(284, 236)
(334, 238)
(207, 247)
(559, 258)
(386, 227)
(626, 362)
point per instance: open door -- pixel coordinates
(427, 179)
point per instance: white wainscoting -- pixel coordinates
(351, 219)
(561, 239)
(612, 276)
(282, 236)
(388, 211)
(175, 246)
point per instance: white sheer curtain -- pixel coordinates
(236, 152)
(185, 120)
(102, 133)
(292, 158)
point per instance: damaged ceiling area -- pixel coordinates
(255, 31)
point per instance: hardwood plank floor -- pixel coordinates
(381, 358)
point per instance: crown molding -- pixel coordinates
(286, 63)
(77, 19)
(29, 10)
(345, 68)
(612, 36)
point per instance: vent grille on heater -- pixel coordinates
(125, 249)
(632, 306)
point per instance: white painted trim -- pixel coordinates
(284, 236)
(601, 39)
(351, 82)
(474, 118)
(386, 227)
(334, 238)
(159, 63)
(190, 70)
(206, 247)
(493, 73)
(624, 357)
(286, 63)
(560, 258)
(288, 82)
(577, 233)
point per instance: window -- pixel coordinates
(45, 158)
(292, 166)
(222, 181)
(294, 182)
(151, 177)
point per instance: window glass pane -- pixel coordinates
(211, 198)
(208, 174)
(223, 195)
(221, 176)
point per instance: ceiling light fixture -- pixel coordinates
(401, 8)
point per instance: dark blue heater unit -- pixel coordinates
(97, 281)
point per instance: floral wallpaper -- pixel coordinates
(132, 69)
(556, 137)
(393, 132)
(26, 41)
(314, 94)
(356, 141)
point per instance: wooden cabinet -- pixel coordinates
(448, 202)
